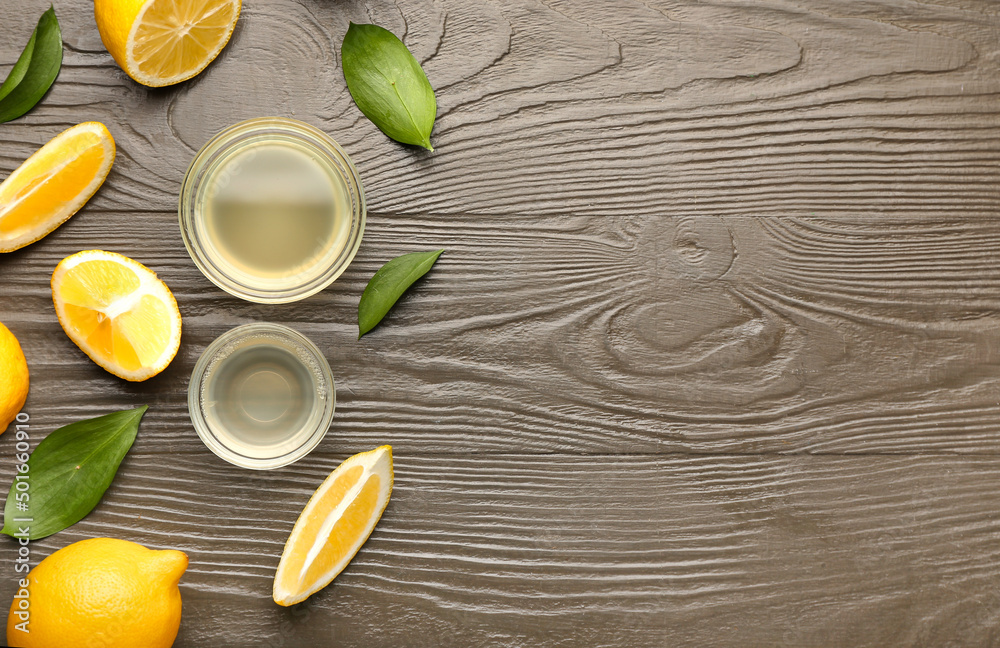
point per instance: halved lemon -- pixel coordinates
(334, 524)
(117, 312)
(162, 42)
(54, 183)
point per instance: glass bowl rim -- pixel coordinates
(197, 415)
(222, 143)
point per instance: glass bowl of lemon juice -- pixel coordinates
(261, 396)
(272, 210)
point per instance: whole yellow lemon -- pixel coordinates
(99, 592)
(13, 377)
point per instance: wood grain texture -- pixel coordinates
(653, 107)
(712, 357)
(599, 551)
(633, 334)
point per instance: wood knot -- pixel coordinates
(687, 245)
(684, 252)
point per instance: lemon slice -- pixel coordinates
(162, 42)
(117, 312)
(54, 183)
(334, 524)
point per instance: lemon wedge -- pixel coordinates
(338, 519)
(162, 42)
(117, 312)
(54, 183)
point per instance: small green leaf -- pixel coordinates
(68, 473)
(20, 68)
(35, 70)
(388, 84)
(389, 284)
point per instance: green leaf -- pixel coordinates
(35, 70)
(389, 284)
(388, 84)
(68, 473)
(20, 68)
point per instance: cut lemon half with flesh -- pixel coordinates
(162, 42)
(334, 524)
(117, 312)
(54, 183)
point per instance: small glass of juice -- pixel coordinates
(272, 210)
(261, 396)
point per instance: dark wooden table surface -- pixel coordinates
(712, 358)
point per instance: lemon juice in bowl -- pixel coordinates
(272, 210)
(261, 396)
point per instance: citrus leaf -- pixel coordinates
(388, 84)
(389, 284)
(35, 71)
(68, 473)
(20, 68)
